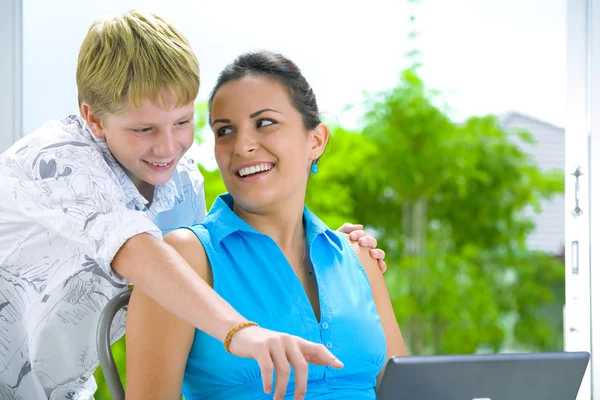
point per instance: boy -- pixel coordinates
(83, 207)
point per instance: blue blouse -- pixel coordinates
(252, 274)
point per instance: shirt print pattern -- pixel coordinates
(66, 207)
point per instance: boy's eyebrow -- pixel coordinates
(257, 113)
(187, 116)
(147, 123)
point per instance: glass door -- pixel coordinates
(582, 187)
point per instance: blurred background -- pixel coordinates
(448, 142)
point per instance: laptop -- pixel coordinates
(533, 376)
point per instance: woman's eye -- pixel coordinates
(265, 122)
(224, 131)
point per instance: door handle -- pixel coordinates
(577, 211)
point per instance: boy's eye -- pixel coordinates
(264, 122)
(183, 123)
(143, 130)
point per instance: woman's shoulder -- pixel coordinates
(187, 243)
(184, 235)
(354, 255)
(364, 257)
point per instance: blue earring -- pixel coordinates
(314, 168)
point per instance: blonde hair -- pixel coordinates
(133, 57)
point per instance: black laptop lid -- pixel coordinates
(534, 376)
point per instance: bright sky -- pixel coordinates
(487, 56)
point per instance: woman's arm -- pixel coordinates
(158, 342)
(158, 270)
(393, 337)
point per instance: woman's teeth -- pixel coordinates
(254, 169)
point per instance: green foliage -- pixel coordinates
(450, 205)
(330, 193)
(118, 350)
(213, 184)
(200, 120)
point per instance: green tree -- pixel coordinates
(330, 193)
(450, 206)
(213, 184)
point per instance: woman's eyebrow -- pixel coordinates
(257, 113)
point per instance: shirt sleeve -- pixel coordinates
(75, 205)
(200, 203)
(193, 177)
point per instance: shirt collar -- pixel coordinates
(165, 195)
(222, 222)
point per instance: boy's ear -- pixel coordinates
(93, 121)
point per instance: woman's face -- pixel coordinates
(261, 146)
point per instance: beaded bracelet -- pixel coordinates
(233, 330)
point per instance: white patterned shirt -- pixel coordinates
(66, 207)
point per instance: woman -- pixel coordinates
(269, 257)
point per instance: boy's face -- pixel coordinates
(147, 141)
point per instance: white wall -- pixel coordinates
(10, 72)
(549, 153)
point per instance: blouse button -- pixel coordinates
(324, 325)
(329, 345)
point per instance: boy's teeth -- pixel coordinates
(159, 165)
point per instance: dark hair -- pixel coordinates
(277, 67)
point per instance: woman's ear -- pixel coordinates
(319, 139)
(93, 121)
